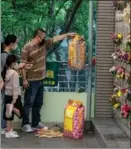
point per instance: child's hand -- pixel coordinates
(21, 65)
(28, 66)
(25, 66)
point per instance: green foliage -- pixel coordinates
(24, 16)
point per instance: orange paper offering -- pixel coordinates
(77, 53)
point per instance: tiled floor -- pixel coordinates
(111, 134)
(28, 140)
(108, 135)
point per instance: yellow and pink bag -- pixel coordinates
(74, 119)
(77, 53)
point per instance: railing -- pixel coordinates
(72, 80)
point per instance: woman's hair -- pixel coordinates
(9, 61)
(10, 39)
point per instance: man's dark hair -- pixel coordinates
(10, 39)
(38, 32)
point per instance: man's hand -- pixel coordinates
(25, 84)
(71, 35)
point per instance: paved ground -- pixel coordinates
(28, 140)
(111, 134)
(107, 135)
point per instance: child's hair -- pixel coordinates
(9, 61)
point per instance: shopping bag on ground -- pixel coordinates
(74, 119)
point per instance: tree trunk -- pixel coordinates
(72, 15)
(68, 22)
(14, 4)
(51, 8)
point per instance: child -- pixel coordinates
(13, 104)
(9, 44)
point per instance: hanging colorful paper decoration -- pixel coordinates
(77, 53)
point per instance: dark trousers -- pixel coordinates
(17, 105)
(33, 99)
(3, 122)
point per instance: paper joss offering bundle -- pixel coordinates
(74, 119)
(77, 53)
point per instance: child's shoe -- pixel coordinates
(11, 134)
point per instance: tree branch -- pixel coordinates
(7, 1)
(70, 16)
(51, 8)
(14, 4)
(60, 7)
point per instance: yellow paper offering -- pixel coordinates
(77, 53)
(74, 119)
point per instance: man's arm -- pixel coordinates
(23, 73)
(24, 78)
(50, 41)
(63, 36)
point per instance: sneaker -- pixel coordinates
(3, 130)
(40, 126)
(27, 128)
(11, 134)
(9, 110)
(14, 132)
